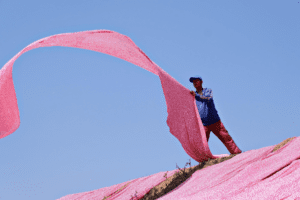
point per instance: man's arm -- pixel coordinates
(207, 96)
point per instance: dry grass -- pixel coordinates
(281, 144)
(178, 178)
(115, 191)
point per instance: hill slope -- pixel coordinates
(266, 173)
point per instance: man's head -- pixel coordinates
(197, 82)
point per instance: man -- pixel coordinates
(209, 115)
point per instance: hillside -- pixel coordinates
(261, 165)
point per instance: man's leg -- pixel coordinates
(220, 131)
(207, 132)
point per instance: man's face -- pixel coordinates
(197, 83)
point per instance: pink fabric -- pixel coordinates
(246, 176)
(257, 175)
(141, 185)
(183, 117)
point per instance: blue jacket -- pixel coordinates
(206, 107)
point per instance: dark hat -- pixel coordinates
(194, 78)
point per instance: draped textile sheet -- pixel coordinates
(183, 117)
(258, 174)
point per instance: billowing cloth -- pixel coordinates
(258, 174)
(183, 117)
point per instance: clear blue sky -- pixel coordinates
(90, 120)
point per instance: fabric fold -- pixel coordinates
(183, 118)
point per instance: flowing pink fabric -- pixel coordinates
(251, 175)
(183, 117)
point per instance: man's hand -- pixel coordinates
(207, 98)
(193, 93)
(202, 97)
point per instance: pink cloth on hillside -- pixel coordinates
(140, 185)
(258, 174)
(183, 117)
